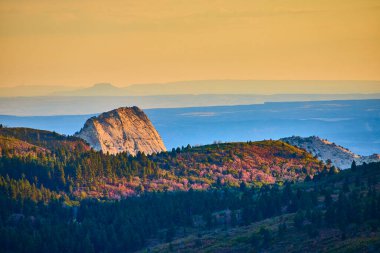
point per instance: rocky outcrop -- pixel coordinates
(126, 129)
(325, 150)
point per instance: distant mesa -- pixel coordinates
(98, 89)
(126, 129)
(103, 86)
(325, 151)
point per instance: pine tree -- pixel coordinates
(353, 165)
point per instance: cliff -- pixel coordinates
(126, 129)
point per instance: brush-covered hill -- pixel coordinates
(67, 164)
(42, 138)
(14, 147)
(263, 162)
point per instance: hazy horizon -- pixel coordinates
(195, 87)
(353, 124)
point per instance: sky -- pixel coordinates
(79, 43)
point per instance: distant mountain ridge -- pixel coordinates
(233, 87)
(198, 87)
(126, 129)
(74, 105)
(99, 89)
(326, 150)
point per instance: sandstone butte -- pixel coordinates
(126, 129)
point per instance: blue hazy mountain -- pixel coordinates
(75, 105)
(354, 124)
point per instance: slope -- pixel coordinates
(330, 152)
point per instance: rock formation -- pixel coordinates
(325, 150)
(126, 129)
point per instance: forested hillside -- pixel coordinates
(333, 212)
(74, 171)
(252, 196)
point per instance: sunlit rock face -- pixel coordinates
(126, 129)
(325, 150)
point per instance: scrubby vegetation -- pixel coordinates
(44, 139)
(63, 164)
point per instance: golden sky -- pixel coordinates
(78, 43)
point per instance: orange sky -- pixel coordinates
(78, 43)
